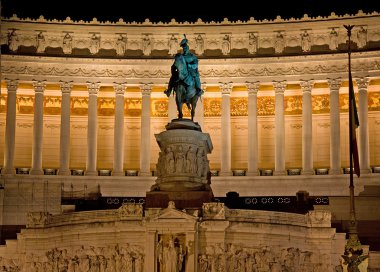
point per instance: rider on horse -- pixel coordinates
(192, 68)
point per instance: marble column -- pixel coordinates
(335, 163)
(146, 90)
(172, 108)
(64, 147)
(279, 89)
(253, 88)
(307, 127)
(363, 143)
(225, 163)
(118, 137)
(92, 129)
(39, 88)
(10, 128)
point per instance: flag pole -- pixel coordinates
(353, 254)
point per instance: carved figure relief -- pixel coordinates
(200, 45)
(305, 41)
(13, 41)
(333, 45)
(279, 43)
(40, 42)
(146, 45)
(226, 44)
(252, 43)
(173, 45)
(362, 37)
(171, 253)
(179, 160)
(121, 45)
(191, 157)
(94, 44)
(67, 44)
(236, 258)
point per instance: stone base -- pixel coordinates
(182, 200)
(183, 123)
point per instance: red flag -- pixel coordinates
(354, 124)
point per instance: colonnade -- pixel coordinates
(145, 147)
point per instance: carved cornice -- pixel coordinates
(293, 68)
(147, 22)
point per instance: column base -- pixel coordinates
(227, 173)
(36, 172)
(8, 171)
(365, 171)
(118, 173)
(253, 173)
(91, 173)
(307, 172)
(64, 172)
(279, 173)
(145, 174)
(335, 171)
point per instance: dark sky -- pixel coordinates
(182, 10)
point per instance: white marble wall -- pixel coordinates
(129, 240)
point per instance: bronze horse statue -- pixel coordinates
(183, 85)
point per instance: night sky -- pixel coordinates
(182, 10)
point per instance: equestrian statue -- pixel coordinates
(184, 80)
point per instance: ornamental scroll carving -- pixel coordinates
(130, 210)
(214, 210)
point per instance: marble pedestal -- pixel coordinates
(183, 172)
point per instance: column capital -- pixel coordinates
(146, 88)
(66, 87)
(253, 87)
(307, 85)
(12, 85)
(334, 83)
(39, 86)
(93, 88)
(362, 83)
(119, 88)
(226, 88)
(279, 86)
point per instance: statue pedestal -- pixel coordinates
(183, 172)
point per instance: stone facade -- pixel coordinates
(275, 102)
(209, 239)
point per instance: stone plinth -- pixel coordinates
(182, 163)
